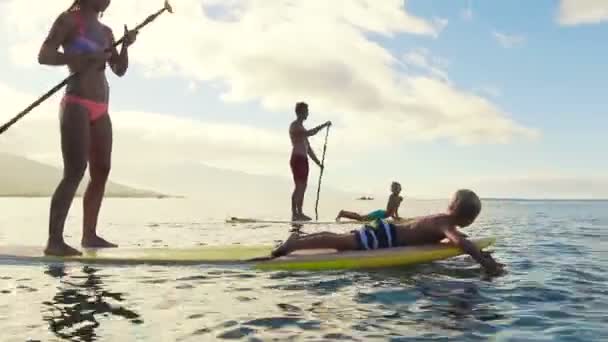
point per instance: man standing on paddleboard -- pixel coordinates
(299, 159)
(86, 129)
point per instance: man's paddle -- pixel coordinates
(167, 7)
(321, 175)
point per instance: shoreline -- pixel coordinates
(107, 196)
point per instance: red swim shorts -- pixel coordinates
(299, 167)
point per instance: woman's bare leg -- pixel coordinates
(74, 124)
(99, 169)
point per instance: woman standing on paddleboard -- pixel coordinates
(86, 129)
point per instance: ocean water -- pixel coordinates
(556, 254)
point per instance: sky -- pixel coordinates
(503, 97)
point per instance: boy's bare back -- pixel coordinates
(423, 230)
(394, 201)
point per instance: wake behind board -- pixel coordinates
(243, 255)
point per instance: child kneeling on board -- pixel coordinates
(392, 208)
(462, 211)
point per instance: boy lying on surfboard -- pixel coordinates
(462, 212)
(392, 208)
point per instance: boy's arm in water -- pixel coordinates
(468, 247)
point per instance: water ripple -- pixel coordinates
(555, 289)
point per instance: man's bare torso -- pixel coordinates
(299, 141)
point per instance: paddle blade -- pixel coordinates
(168, 6)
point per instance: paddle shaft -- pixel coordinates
(321, 175)
(56, 88)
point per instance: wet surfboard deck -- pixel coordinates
(245, 220)
(253, 256)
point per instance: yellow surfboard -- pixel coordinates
(254, 256)
(388, 257)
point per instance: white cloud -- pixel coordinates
(279, 52)
(467, 13)
(576, 12)
(489, 90)
(192, 86)
(149, 137)
(143, 138)
(509, 40)
(422, 59)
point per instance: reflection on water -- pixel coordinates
(71, 314)
(554, 289)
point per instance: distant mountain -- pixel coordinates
(27, 178)
(235, 192)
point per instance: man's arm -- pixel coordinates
(312, 155)
(316, 130)
(468, 247)
(297, 130)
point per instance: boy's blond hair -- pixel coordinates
(465, 206)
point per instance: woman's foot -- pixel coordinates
(60, 249)
(97, 242)
(284, 248)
